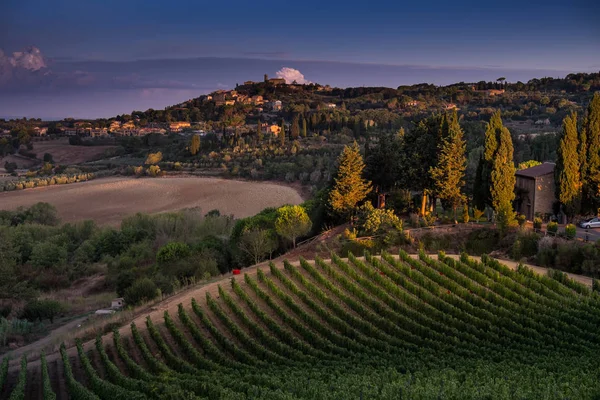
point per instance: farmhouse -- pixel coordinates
(535, 190)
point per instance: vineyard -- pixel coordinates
(388, 327)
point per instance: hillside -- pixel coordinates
(382, 328)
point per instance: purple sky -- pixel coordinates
(99, 59)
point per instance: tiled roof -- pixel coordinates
(539, 170)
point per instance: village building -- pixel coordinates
(535, 190)
(178, 126)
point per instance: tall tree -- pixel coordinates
(282, 133)
(420, 149)
(349, 187)
(492, 134)
(295, 130)
(502, 180)
(479, 190)
(259, 134)
(304, 133)
(448, 175)
(567, 175)
(591, 184)
(292, 222)
(195, 145)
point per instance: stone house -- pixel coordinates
(534, 189)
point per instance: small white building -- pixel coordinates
(117, 303)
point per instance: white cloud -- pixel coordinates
(31, 59)
(290, 75)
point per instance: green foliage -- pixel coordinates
(47, 392)
(570, 231)
(567, 171)
(41, 310)
(537, 223)
(481, 241)
(590, 165)
(292, 222)
(48, 254)
(173, 251)
(154, 158)
(142, 290)
(195, 145)
(18, 392)
(349, 187)
(257, 243)
(528, 164)
(478, 214)
(552, 227)
(10, 166)
(448, 174)
(521, 220)
(465, 214)
(373, 221)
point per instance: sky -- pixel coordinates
(89, 59)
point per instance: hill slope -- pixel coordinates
(381, 328)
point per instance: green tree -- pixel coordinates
(304, 133)
(479, 190)
(528, 164)
(502, 176)
(591, 182)
(195, 145)
(259, 134)
(257, 243)
(492, 133)
(295, 130)
(349, 187)
(448, 175)
(292, 222)
(282, 133)
(153, 158)
(567, 175)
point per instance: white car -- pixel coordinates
(590, 223)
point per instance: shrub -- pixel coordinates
(478, 214)
(10, 167)
(596, 285)
(481, 241)
(466, 214)
(537, 223)
(42, 309)
(173, 251)
(48, 254)
(526, 245)
(570, 231)
(552, 227)
(141, 291)
(376, 220)
(521, 220)
(48, 158)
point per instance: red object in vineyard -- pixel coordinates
(381, 273)
(448, 292)
(237, 271)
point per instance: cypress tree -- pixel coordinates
(448, 175)
(567, 176)
(282, 133)
(479, 188)
(304, 133)
(195, 145)
(259, 134)
(503, 180)
(295, 131)
(592, 167)
(492, 134)
(349, 187)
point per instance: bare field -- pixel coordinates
(65, 154)
(107, 201)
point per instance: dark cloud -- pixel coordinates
(267, 54)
